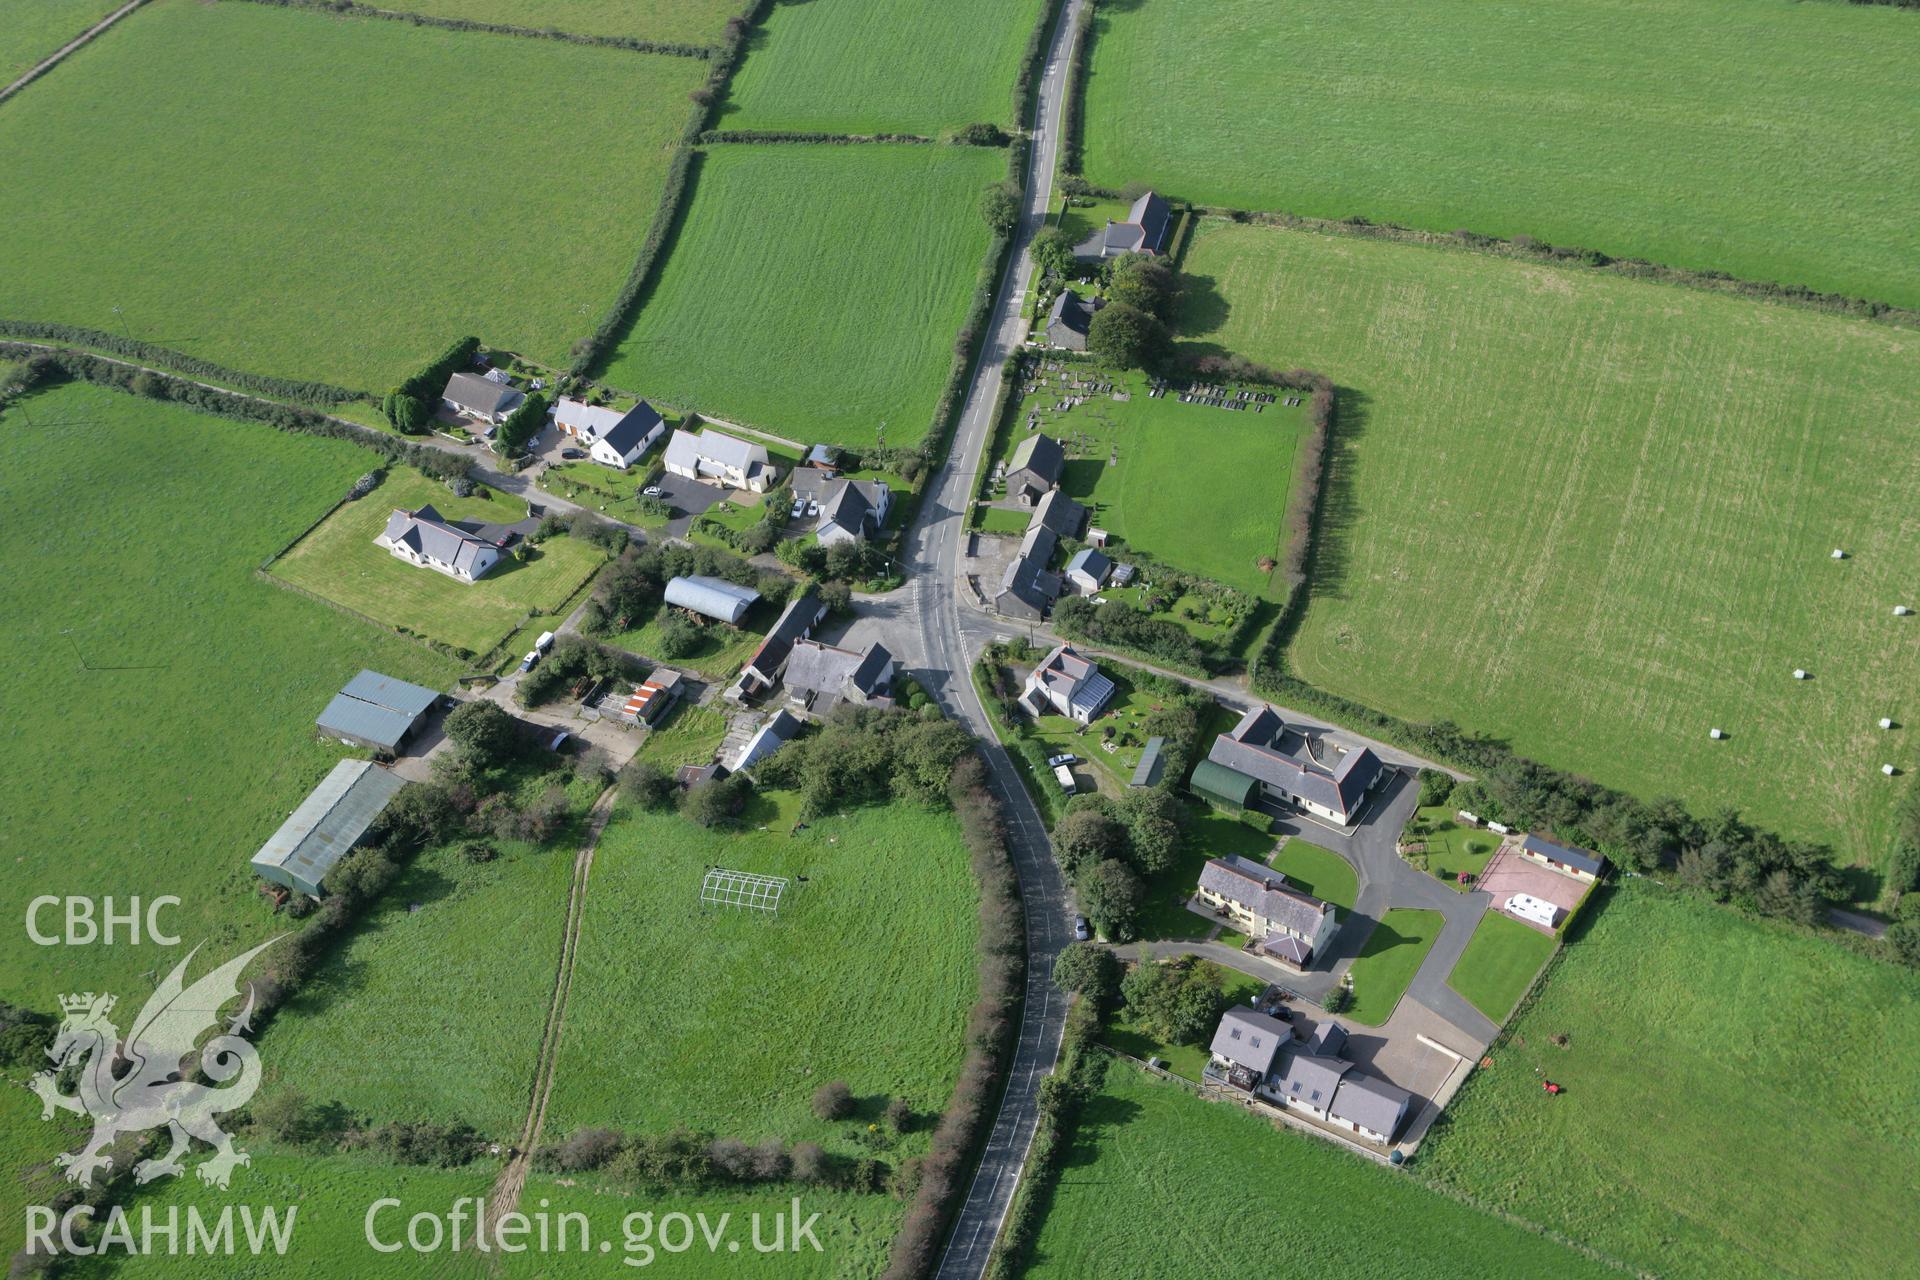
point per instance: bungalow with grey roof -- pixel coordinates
(613, 438)
(1576, 863)
(850, 510)
(1261, 905)
(1144, 231)
(718, 458)
(1087, 570)
(480, 398)
(1261, 749)
(1066, 684)
(1034, 468)
(1070, 320)
(463, 550)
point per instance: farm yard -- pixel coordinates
(854, 66)
(666, 21)
(339, 562)
(1733, 1089)
(189, 127)
(34, 29)
(1751, 138)
(1202, 488)
(664, 987)
(815, 291)
(1145, 1146)
(1594, 516)
(1500, 960)
(180, 687)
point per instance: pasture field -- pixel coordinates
(161, 696)
(1321, 872)
(1204, 489)
(896, 66)
(339, 561)
(1733, 1092)
(429, 979)
(815, 291)
(1593, 516)
(1144, 1145)
(1387, 963)
(1756, 137)
(730, 1020)
(1500, 960)
(189, 127)
(34, 29)
(667, 21)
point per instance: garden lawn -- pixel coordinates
(160, 694)
(190, 127)
(1386, 964)
(1144, 1145)
(1317, 871)
(339, 562)
(1123, 714)
(1204, 489)
(1593, 516)
(1453, 848)
(881, 66)
(1184, 1060)
(1500, 960)
(1757, 137)
(430, 966)
(721, 649)
(726, 1019)
(815, 292)
(1735, 1097)
(31, 30)
(667, 21)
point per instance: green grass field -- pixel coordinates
(1751, 136)
(1163, 1185)
(401, 218)
(1321, 872)
(34, 29)
(1594, 515)
(1387, 963)
(1500, 960)
(161, 695)
(339, 561)
(464, 979)
(1204, 489)
(816, 291)
(856, 66)
(668, 21)
(1736, 1099)
(726, 1019)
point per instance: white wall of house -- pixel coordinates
(483, 561)
(1318, 810)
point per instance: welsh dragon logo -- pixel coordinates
(149, 1091)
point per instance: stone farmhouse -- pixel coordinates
(795, 623)
(1291, 926)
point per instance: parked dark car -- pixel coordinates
(573, 454)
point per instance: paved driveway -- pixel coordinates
(688, 498)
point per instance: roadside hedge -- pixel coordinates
(426, 385)
(1073, 109)
(1031, 64)
(632, 43)
(178, 362)
(719, 136)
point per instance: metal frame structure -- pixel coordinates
(724, 888)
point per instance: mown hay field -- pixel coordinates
(881, 66)
(339, 561)
(727, 1019)
(161, 694)
(1594, 516)
(1763, 138)
(1735, 1102)
(666, 21)
(815, 292)
(1164, 1185)
(216, 191)
(34, 29)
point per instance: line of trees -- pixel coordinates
(409, 406)
(679, 49)
(298, 391)
(713, 137)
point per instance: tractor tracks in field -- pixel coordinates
(504, 1196)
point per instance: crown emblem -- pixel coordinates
(83, 1001)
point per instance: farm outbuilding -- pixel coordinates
(1577, 863)
(712, 597)
(376, 711)
(1218, 784)
(328, 823)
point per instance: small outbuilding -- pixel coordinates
(1217, 784)
(711, 597)
(1087, 570)
(376, 712)
(1147, 772)
(1577, 863)
(326, 826)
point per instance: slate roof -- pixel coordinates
(687, 449)
(479, 395)
(1071, 311)
(1328, 1037)
(437, 538)
(802, 614)
(854, 505)
(633, 427)
(1145, 230)
(774, 734)
(1027, 576)
(385, 691)
(1264, 892)
(1370, 1102)
(1250, 1039)
(1253, 747)
(1073, 679)
(1041, 454)
(1092, 562)
(825, 668)
(1579, 859)
(1292, 950)
(328, 822)
(1311, 1079)
(1147, 772)
(714, 597)
(1059, 513)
